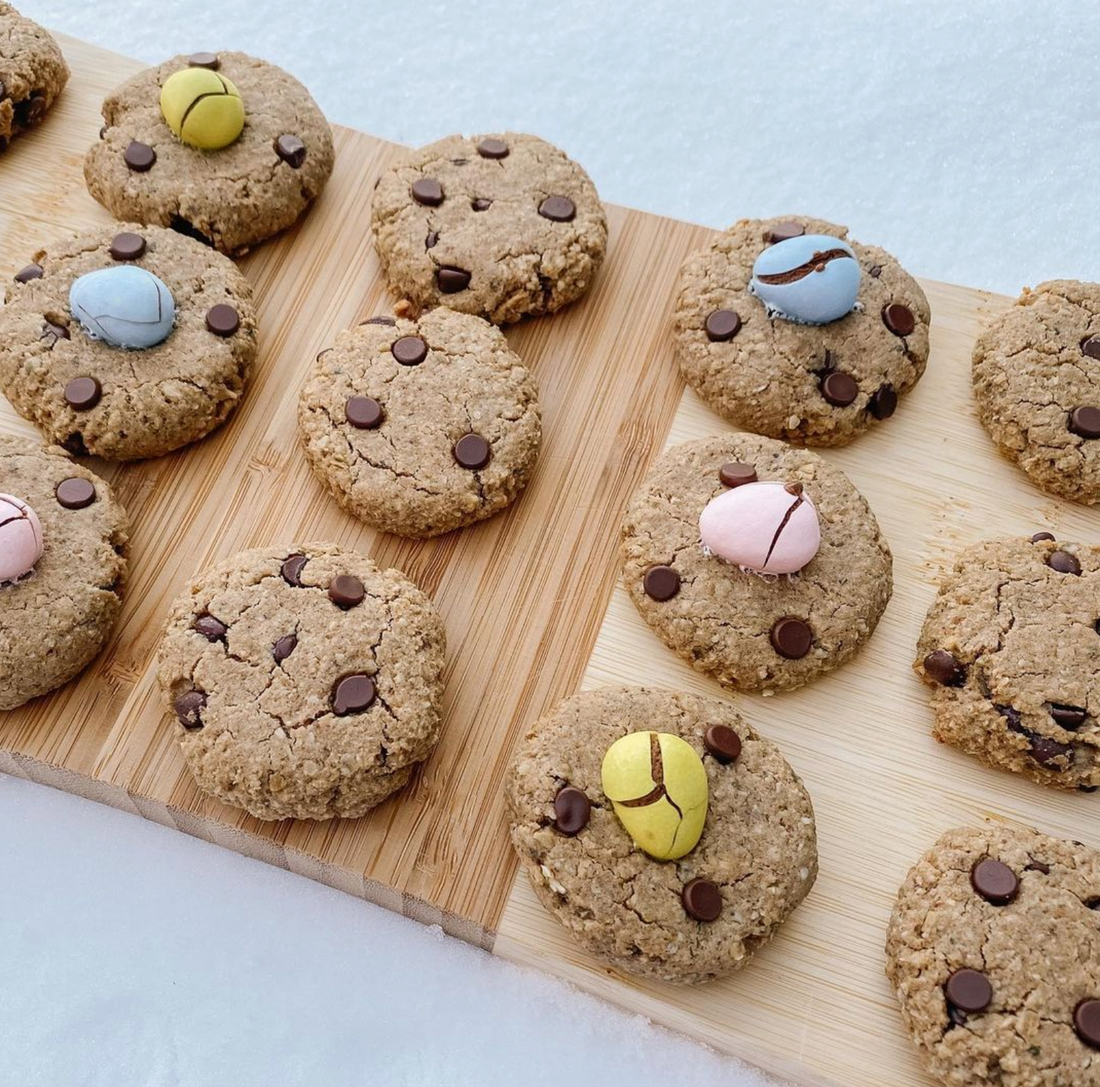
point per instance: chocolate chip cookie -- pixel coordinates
(690, 919)
(725, 603)
(63, 538)
(994, 951)
(813, 384)
(500, 226)
(32, 73)
(1036, 374)
(126, 341)
(229, 196)
(421, 426)
(1011, 650)
(304, 682)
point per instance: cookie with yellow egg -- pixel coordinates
(667, 836)
(220, 146)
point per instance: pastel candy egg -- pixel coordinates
(124, 306)
(202, 108)
(813, 279)
(20, 538)
(770, 528)
(658, 787)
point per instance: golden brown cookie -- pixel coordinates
(32, 73)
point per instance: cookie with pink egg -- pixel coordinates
(757, 562)
(63, 540)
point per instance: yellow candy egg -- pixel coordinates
(202, 108)
(658, 788)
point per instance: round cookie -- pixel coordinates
(1011, 650)
(809, 384)
(419, 427)
(1036, 372)
(32, 73)
(110, 401)
(994, 952)
(304, 681)
(755, 861)
(753, 631)
(64, 562)
(500, 226)
(232, 197)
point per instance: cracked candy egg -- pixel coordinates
(812, 280)
(202, 108)
(20, 538)
(658, 788)
(124, 306)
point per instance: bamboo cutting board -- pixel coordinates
(533, 613)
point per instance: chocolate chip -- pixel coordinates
(1069, 717)
(363, 412)
(213, 630)
(994, 881)
(75, 493)
(410, 350)
(898, 319)
(204, 60)
(452, 280)
(702, 900)
(558, 209)
(1037, 866)
(1086, 1021)
(32, 271)
(292, 569)
(482, 203)
(1085, 422)
(291, 150)
(883, 402)
(189, 709)
(661, 582)
(432, 240)
(571, 811)
(492, 148)
(352, 694)
(472, 451)
(53, 333)
(1044, 750)
(127, 246)
(956, 1016)
(83, 393)
(722, 742)
(791, 637)
(944, 668)
(222, 320)
(427, 191)
(1091, 346)
(875, 270)
(383, 320)
(969, 991)
(1039, 537)
(31, 110)
(735, 474)
(782, 231)
(1064, 563)
(346, 591)
(284, 647)
(722, 325)
(139, 156)
(839, 388)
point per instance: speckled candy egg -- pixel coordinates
(812, 279)
(203, 108)
(768, 528)
(20, 538)
(124, 306)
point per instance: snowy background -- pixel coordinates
(961, 136)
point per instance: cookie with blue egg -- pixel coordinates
(33, 73)
(789, 328)
(126, 341)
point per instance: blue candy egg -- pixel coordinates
(124, 306)
(813, 279)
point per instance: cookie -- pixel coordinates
(419, 427)
(499, 226)
(744, 346)
(161, 157)
(304, 682)
(126, 341)
(1036, 372)
(689, 919)
(994, 952)
(758, 563)
(63, 539)
(1011, 650)
(32, 73)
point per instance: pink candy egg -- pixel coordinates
(769, 528)
(20, 538)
